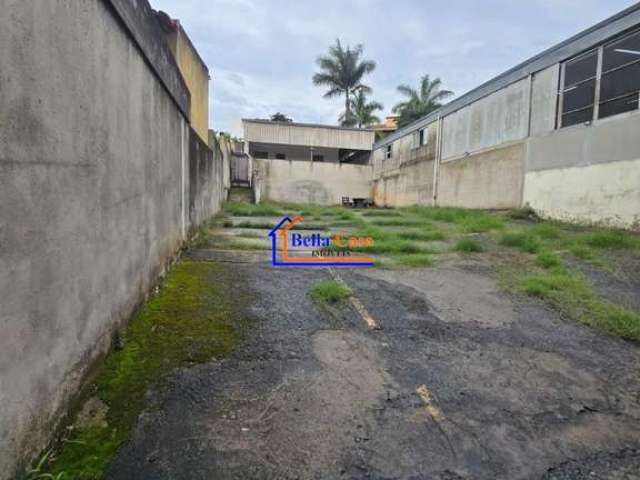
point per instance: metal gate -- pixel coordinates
(240, 169)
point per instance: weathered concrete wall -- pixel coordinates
(500, 118)
(264, 131)
(544, 99)
(489, 179)
(407, 177)
(94, 174)
(307, 182)
(196, 76)
(206, 191)
(587, 174)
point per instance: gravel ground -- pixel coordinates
(462, 381)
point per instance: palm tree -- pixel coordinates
(280, 117)
(342, 70)
(420, 103)
(361, 112)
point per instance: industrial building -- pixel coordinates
(557, 132)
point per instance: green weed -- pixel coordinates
(329, 291)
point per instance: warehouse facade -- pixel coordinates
(557, 132)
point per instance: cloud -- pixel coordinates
(261, 53)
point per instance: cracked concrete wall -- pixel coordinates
(310, 182)
(94, 171)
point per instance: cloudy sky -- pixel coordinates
(261, 53)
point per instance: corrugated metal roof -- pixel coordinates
(618, 23)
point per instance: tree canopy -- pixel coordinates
(280, 117)
(362, 112)
(420, 102)
(342, 70)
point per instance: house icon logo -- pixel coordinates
(291, 248)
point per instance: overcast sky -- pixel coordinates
(261, 53)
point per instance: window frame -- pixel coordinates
(280, 156)
(599, 50)
(388, 154)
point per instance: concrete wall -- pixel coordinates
(307, 182)
(587, 174)
(500, 118)
(196, 76)
(94, 189)
(206, 190)
(544, 100)
(407, 177)
(264, 131)
(488, 179)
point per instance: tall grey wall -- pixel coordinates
(94, 189)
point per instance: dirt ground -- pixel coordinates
(461, 381)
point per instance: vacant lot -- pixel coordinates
(591, 275)
(482, 346)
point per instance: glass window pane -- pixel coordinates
(620, 82)
(578, 96)
(621, 52)
(613, 107)
(581, 116)
(581, 69)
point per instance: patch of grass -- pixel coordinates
(572, 294)
(612, 240)
(193, 318)
(582, 252)
(240, 209)
(238, 244)
(468, 245)
(381, 213)
(397, 222)
(481, 223)
(548, 260)
(522, 240)
(547, 231)
(329, 291)
(422, 235)
(415, 260)
(441, 214)
(256, 225)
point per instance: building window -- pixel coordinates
(422, 137)
(578, 93)
(620, 81)
(281, 156)
(260, 154)
(388, 152)
(601, 82)
(318, 158)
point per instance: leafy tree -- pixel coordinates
(361, 112)
(342, 70)
(280, 117)
(420, 102)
